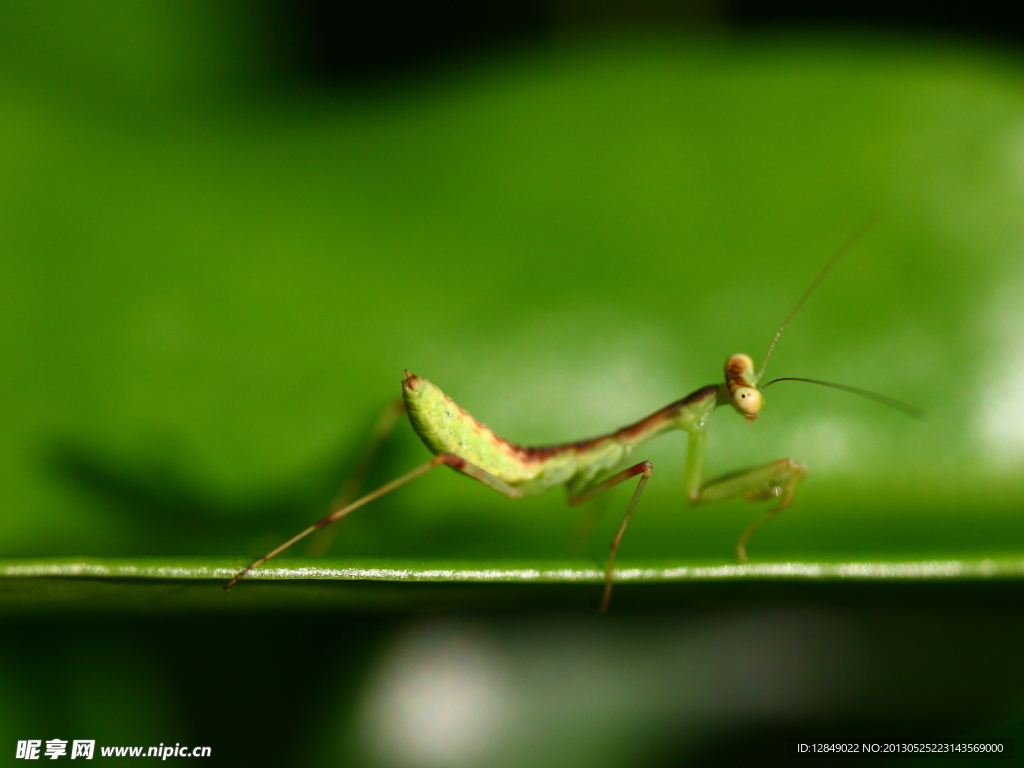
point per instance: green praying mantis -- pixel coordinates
(588, 468)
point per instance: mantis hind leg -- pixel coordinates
(643, 468)
(777, 480)
(349, 490)
(455, 462)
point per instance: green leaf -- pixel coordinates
(156, 583)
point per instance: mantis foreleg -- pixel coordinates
(776, 480)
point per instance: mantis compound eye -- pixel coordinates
(748, 401)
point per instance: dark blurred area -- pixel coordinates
(346, 43)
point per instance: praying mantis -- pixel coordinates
(588, 468)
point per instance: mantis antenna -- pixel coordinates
(850, 241)
(910, 410)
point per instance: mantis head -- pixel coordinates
(741, 380)
(741, 383)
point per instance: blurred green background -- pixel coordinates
(214, 268)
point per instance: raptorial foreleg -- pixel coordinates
(776, 480)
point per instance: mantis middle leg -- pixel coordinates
(776, 480)
(644, 468)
